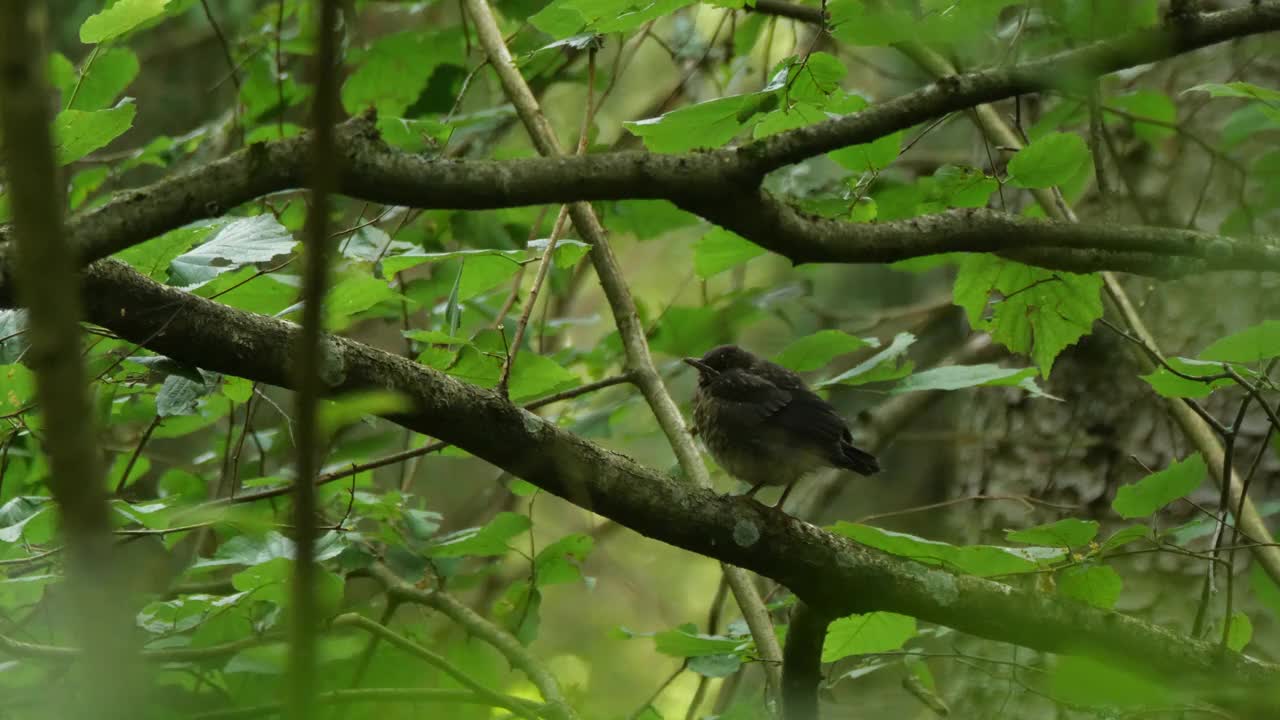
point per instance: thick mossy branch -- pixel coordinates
(829, 572)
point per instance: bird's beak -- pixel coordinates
(700, 366)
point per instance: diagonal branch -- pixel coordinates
(833, 574)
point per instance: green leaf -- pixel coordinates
(1037, 312)
(815, 77)
(79, 132)
(1259, 342)
(17, 388)
(351, 407)
(415, 136)
(814, 351)
(1097, 585)
(519, 611)
(1160, 488)
(958, 377)
(1239, 631)
(119, 19)
(532, 375)
(561, 561)
(563, 18)
(489, 540)
(982, 560)
(686, 641)
(1239, 89)
(962, 187)
(242, 241)
(874, 632)
(112, 71)
(888, 364)
(352, 296)
(395, 70)
(869, 157)
(179, 396)
(1052, 160)
(716, 666)
(1123, 537)
(708, 124)
(1149, 104)
(1167, 384)
(720, 250)
(1264, 588)
(1095, 682)
(1068, 532)
(271, 581)
(856, 23)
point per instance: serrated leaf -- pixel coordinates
(1097, 585)
(120, 18)
(874, 632)
(958, 377)
(243, 241)
(869, 157)
(561, 561)
(888, 364)
(112, 71)
(1051, 160)
(489, 540)
(708, 124)
(1068, 532)
(814, 351)
(1158, 489)
(1258, 342)
(686, 641)
(395, 69)
(79, 132)
(1036, 311)
(982, 560)
(720, 250)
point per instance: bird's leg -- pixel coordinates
(752, 492)
(785, 493)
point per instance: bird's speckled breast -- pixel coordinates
(750, 454)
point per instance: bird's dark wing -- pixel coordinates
(746, 400)
(810, 420)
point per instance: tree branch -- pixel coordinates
(829, 572)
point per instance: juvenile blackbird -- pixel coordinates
(763, 426)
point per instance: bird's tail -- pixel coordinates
(859, 461)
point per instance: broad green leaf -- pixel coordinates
(1239, 631)
(1094, 682)
(242, 241)
(1123, 537)
(561, 561)
(258, 549)
(519, 611)
(1068, 532)
(1052, 160)
(957, 377)
(888, 364)
(532, 375)
(708, 124)
(27, 518)
(393, 72)
(1037, 312)
(112, 71)
(869, 157)
(982, 560)
(1239, 89)
(1160, 488)
(686, 641)
(815, 77)
(481, 270)
(179, 396)
(874, 632)
(416, 135)
(1148, 104)
(352, 296)
(1259, 342)
(246, 289)
(856, 23)
(271, 581)
(720, 250)
(351, 407)
(80, 132)
(492, 539)
(17, 388)
(1167, 384)
(1097, 585)
(120, 18)
(716, 666)
(962, 187)
(563, 18)
(814, 351)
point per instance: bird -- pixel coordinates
(764, 426)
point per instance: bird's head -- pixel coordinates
(722, 359)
